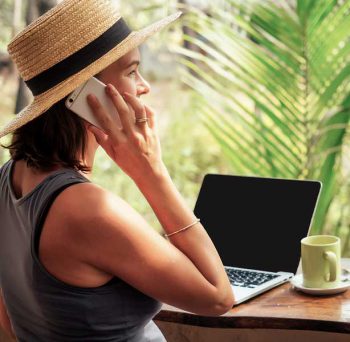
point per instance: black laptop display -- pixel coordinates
(257, 223)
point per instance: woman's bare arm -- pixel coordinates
(173, 213)
(103, 231)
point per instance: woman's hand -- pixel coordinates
(135, 147)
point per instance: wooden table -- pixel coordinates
(279, 308)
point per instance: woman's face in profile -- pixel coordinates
(124, 74)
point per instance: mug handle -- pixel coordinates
(332, 258)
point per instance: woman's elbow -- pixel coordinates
(224, 305)
(218, 303)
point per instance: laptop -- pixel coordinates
(256, 225)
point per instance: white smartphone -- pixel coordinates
(77, 101)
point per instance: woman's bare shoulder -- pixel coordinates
(86, 209)
(84, 202)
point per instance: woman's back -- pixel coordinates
(44, 308)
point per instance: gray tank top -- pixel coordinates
(42, 307)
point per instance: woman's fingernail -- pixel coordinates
(126, 95)
(111, 89)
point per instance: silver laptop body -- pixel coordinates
(256, 224)
(245, 291)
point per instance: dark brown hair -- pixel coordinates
(56, 138)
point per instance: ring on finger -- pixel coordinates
(141, 120)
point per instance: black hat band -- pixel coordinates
(80, 59)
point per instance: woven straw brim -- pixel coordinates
(44, 101)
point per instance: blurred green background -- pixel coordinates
(256, 87)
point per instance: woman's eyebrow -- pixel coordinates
(134, 62)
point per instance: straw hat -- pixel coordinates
(66, 46)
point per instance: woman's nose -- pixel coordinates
(143, 87)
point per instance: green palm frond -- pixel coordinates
(274, 87)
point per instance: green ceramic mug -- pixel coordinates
(320, 259)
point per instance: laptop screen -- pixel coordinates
(257, 223)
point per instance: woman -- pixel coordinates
(77, 263)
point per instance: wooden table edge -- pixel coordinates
(252, 322)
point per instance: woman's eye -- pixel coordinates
(132, 73)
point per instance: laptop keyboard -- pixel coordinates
(249, 279)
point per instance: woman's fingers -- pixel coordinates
(121, 106)
(135, 118)
(105, 120)
(151, 117)
(134, 147)
(104, 141)
(141, 117)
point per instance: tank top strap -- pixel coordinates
(42, 200)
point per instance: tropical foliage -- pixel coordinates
(272, 79)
